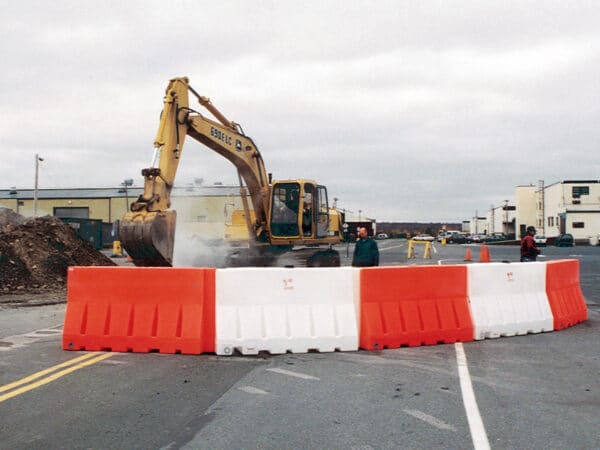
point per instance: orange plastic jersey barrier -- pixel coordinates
(140, 309)
(411, 306)
(564, 293)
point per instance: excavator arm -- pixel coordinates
(147, 232)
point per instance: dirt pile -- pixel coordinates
(35, 253)
(9, 218)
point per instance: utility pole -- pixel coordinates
(505, 225)
(126, 183)
(35, 188)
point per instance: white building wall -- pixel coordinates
(580, 213)
(525, 201)
(553, 206)
(479, 225)
(591, 222)
(498, 218)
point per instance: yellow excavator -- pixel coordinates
(286, 216)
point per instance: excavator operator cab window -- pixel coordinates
(286, 204)
(307, 209)
(322, 212)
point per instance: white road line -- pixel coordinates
(429, 419)
(391, 248)
(293, 374)
(455, 261)
(252, 390)
(478, 434)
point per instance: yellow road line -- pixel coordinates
(88, 360)
(41, 373)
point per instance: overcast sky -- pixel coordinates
(406, 110)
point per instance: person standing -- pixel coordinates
(366, 253)
(529, 251)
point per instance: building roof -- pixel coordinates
(178, 191)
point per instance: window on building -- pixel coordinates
(578, 191)
(74, 212)
(550, 221)
(578, 224)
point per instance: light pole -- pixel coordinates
(505, 227)
(345, 227)
(126, 183)
(35, 188)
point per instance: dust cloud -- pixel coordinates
(198, 244)
(193, 250)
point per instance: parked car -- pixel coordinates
(564, 240)
(478, 237)
(424, 237)
(459, 238)
(540, 240)
(445, 235)
(381, 236)
(495, 238)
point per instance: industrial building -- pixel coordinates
(201, 210)
(206, 209)
(565, 207)
(570, 206)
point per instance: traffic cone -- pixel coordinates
(484, 254)
(468, 255)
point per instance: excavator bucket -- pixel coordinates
(149, 238)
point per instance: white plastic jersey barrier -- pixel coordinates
(508, 299)
(279, 310)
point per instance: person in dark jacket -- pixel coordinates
(366, 253)
(529, 251)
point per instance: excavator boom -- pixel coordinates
(147, 232)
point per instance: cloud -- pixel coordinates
(405, 110)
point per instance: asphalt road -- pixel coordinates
(534, 391)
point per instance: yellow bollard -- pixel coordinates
(411, 249)
(117, 249)
(427, 253)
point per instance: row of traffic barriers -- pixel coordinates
(279, 310)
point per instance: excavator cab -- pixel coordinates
(299, 210)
